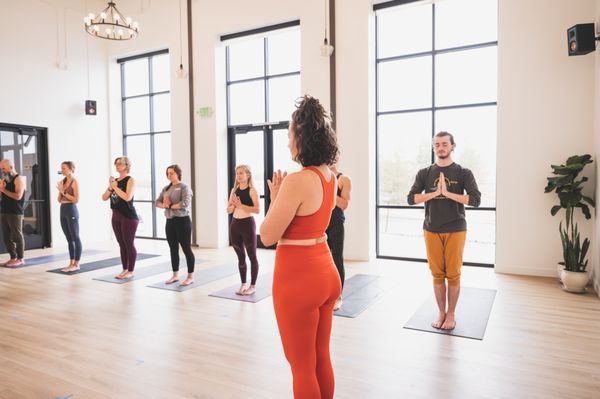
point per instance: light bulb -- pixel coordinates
(117, 17)
(136, 25)
(120, 32)
(91, 15)
(108, 31)
(128, 20)
(86, 20)
(181, 73)
(103, 15)
(96, 28)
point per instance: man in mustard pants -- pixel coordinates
(442, 188)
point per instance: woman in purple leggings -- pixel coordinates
(124, 217)
(243, 202)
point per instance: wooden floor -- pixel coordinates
(74, 337)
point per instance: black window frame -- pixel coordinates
(151, 133)
(433, 53)
(267, 127)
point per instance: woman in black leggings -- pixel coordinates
(243, 202)
(176, 199)
(68, 196)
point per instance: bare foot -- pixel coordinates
(127, 275)
(172, 280)
(187, 281)
(120, 275)
(439, 321)
(66, 269)
(338, 304)
(250, 290)
(242, 288)
(449, 323)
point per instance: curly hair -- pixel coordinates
(314, 137)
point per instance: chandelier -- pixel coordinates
(111, 24)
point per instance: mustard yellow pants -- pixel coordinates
(444, 255)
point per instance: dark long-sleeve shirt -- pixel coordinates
(443, 215)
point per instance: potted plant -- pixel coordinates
(569, 191)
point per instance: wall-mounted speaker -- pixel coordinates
(581, 39)
(90, 107)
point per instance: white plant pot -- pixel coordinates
(574, 281)
(559, 269)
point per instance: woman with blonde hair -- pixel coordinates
(243, 202)
(68, 196)
(124, 217)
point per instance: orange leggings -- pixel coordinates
(445, 255)
(306, 285)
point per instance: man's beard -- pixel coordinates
(444, 157)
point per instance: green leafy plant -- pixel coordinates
(569, 192)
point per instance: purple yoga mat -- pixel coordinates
(263, 290)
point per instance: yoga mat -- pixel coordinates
(472, 314)
(360, 291)
(100, 264)
(263, 290)
(142, 272)
(40, 260)
(201, 277)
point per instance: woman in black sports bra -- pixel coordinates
(243, 202)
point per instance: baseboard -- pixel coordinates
(526, 271)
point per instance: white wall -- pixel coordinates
(355, 83)
(34, 91)
(545, 114)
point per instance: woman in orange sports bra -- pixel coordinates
(306, 283)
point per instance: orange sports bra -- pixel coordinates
(315, 224)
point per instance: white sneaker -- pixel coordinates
(338, 304)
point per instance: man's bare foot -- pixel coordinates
(439, 321)
(242, 288)
(187, 281)
(67, 269)
(449, 323)
(127, 275)
(70, 269)
(172, 280)
(250, 290)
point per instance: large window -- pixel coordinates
(263, 83)
(146, 107)
(436, 71)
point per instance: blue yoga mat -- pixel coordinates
(40, 260)
(100, 264)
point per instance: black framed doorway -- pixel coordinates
(27, 148)
(263, 147)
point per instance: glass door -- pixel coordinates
(263, 147)
(27, 149)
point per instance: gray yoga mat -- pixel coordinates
(472, 313)
(360, 291)
(40, 260)
(100, 264)
(141, 273)
(263, 290)
(201, 277)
